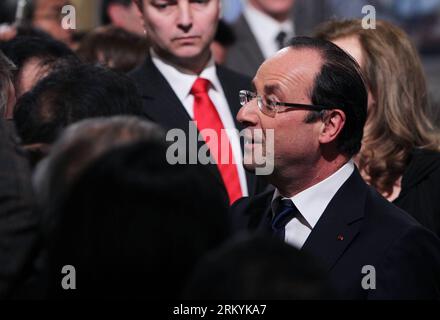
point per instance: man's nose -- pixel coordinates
(185, 19)
(248, 114)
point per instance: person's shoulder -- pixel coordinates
(423, 168)
(140, 71)
(431, 159)
(425, 160)
(386, 220)
(408, 265)
(396, 234)
(434, 175)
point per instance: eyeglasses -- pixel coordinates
(271, 108)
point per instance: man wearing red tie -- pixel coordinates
(180, 83)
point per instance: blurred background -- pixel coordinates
(419, 18)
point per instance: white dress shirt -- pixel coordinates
(311, 204)
(182, 82)
(265, 29)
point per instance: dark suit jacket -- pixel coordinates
(18, 219)
(360, 228)
(420, 189)
(161, 105)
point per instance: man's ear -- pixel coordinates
(332, 125)
(139, 12)
(117, 14)
(139, 5)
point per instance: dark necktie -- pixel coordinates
(285, 212)
(281, 39)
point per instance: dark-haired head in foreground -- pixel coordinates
(36, 57)
(254, 268)
(80, 144)
(113, 47)
(134, 225)
(70, 95)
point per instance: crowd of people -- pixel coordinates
(86, 180)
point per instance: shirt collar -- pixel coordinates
(313, 201)
(180, 81)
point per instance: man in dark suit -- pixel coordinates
(180, 83)
(313, 97)
(261, 30)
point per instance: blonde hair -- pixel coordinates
(398, 121)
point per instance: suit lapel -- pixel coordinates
(161, 104)
(260, 213)
(340, 222)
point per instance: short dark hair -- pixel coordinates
(105, 19)
(114, 47)
(50, 53)
(257, 267)
(72, 94)
(136, 219)
(339, 84)
(23, 48)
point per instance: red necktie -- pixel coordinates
(207, 117)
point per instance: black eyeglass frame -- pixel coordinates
(245, 95)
